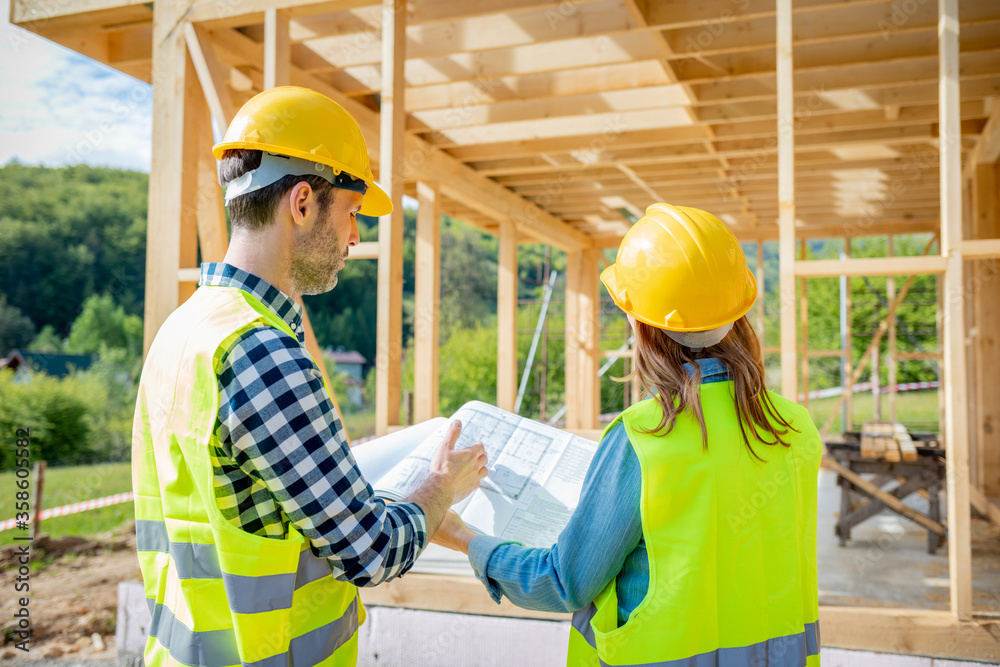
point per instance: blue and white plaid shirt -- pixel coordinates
(283, 458)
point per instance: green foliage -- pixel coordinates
(102, 324)
(68, 233)
(86, 416)
(16, 329)
(83, 418)
(338, 384)
(57, 412)
(47, 341)
(468, 364)
(916, 317)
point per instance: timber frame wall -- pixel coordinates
(558, 121)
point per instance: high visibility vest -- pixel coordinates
(731, 544)
(219, 596)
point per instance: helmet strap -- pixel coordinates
(273, 167)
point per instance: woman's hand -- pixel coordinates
(453, 533)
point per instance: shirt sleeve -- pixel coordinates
(603, 530)
(278, 424)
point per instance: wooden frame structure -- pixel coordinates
(558, 121)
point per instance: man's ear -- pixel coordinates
(301, 199)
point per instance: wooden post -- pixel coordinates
(427, 296)
(572, 339)
(956, 426)
(804, 315)
(196, 117)
(890, 294)
(986, 225)
(507, 317)
(392, 134)
(876, 385)
(212, 74)
(939, 324)
(590, 384)
(277, 49)
(544, 377)
(847, 345)
(760, 295)
(213, 236)
(786, 201)
(38, 476)
(170, 185)
(971, 294)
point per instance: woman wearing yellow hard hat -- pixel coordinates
(694, 540)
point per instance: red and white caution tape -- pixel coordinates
(867, 386)
(75, 508)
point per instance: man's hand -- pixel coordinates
(458, 470)
(454, 474)
(453, 533)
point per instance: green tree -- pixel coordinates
(58, 412)
(16, 328)
(104, 324)
(47, 341)
(68, 233)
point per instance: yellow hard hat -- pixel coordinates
(681, 269)
(302, 123)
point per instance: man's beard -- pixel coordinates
(316, 260)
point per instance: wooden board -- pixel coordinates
(389, 333)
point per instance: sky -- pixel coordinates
(58, 107)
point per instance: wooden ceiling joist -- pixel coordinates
(458, 181)
(529, 106)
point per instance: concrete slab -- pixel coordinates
(835, 657)
(403, 637)
(886, 564)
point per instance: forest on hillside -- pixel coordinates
(72, 273)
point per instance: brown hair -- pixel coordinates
(659, 367)
(255, 210)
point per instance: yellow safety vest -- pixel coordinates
(731, 545)
(219, 596)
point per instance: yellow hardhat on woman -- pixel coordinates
(301, 123)
(681, 269)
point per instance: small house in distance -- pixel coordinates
(23, 364)
(352, 364)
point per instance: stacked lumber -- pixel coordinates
(887, 440)
(905, 442)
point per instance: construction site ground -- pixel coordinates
(74, 587)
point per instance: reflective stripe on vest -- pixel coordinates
(788, 651)
(217, 648)
(247, 595)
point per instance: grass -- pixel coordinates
(918, 410)
(69, 485)
(360, 424)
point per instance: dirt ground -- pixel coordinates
(73, 599)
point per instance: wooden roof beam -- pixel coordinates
(458, 182)
(843, 22)
(987, 149)
(821, 121)
(484, 33)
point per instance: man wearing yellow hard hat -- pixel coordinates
(254, 525)
(694, 540)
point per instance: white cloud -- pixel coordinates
(58, 107)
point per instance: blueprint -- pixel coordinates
(535, 471)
